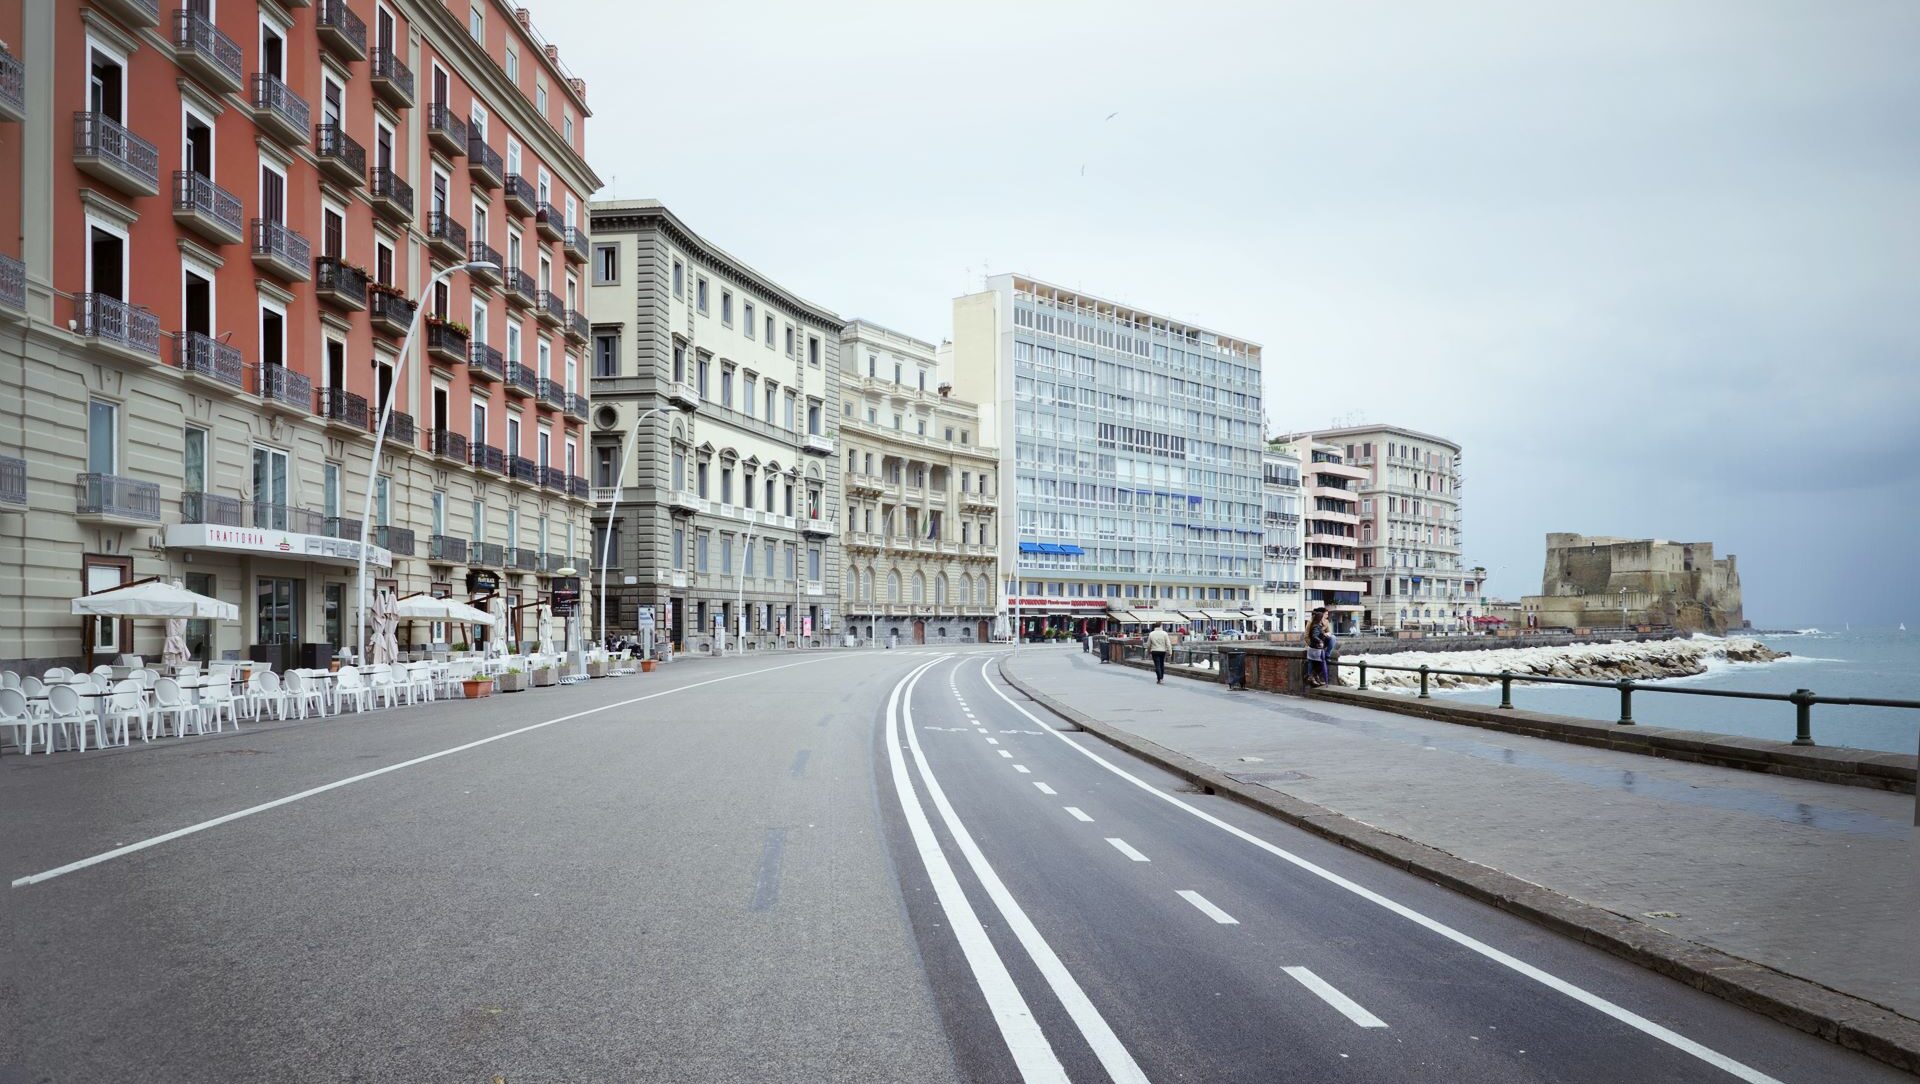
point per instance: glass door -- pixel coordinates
(277, 610)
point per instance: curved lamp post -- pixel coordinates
(613, 503)
(579, 648)
(380, 440)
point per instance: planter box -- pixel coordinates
(475, 689)
(596, 669)
(646, 666)
(512, 683)
(545, 677)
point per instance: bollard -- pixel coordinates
(1423, 684)
(1802, 716)
(1626, 702)
(1506, 689)
(1363, 673)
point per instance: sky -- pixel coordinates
(1655, 266)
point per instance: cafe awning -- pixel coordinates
(154, 598)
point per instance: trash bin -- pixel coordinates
(1100, 648)
(1235, 669)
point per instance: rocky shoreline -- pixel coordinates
(1594, 662)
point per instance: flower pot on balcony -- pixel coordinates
(474, 688)
(513, 681)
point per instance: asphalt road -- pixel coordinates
(791, 868)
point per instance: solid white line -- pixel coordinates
(1552, 982)
(1002, 752)
(177, 833)
(1077, 815)
(1021, 768)
(1044, 789)
(1106, 1046)
(1121, 846)
(1032, 1054)
(1348, 1007)
(1207, 908)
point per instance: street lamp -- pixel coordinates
(579, 646)
(740, 592)
(613, 502)
(380, 439)
(873, 615)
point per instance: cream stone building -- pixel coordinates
(922, 496)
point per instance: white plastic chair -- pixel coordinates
(35, 691)
(127, 704)
(171, 703)
(14, 713)
(419, 682)
(304, 692)
(216, 703)
(9, 680)
(380, 678)
(145, 678)
(56, 675)
(348, 688)
(264, 692)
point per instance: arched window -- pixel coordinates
(893, 586)
(940, 589)
(870, 594)
(919, 587)
(853, 574)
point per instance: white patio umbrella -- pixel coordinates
(428, 608)
(384, 648)
(153, 598)
(175, 652)
(498, 606)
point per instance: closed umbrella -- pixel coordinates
(175, 652)
(498, 640)
(384, 648)
(546, 628)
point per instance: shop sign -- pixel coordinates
(269, 543)
(564, 594)
(480, 581)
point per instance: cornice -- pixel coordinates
(100, 27)
(120, 213)
(650, 215)
(201, 255)
(200, 99)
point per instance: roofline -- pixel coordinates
(856, 325)
(638, 212)
(1171, 322)
(1351, 430)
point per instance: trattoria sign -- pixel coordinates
(260, 542)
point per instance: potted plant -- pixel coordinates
(460, 647)
(513, 681)
(646, 665)
(477, 686)
(596, 668)
(544, 676)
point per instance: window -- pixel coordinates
(700, 385)
(606, 353)
(573, 455)
(896, 372)
(700, 293)
(813, 350)
(746, 317)
(513, 432)
(540, 97)
(813, 563)
(513, 343)
(566, 125)
(700, 478)
(769, 331)
(789, 340)
(700, 550)
(603, 460)
(606, 265)
(513, 250)
(477, 24)
(193, 460)
(813, 417)
(726, 307)
(679, 279)
(679, 362)
(512, 65)
(787, 418)
(103, 437)
(750, 390)
(680, 548)
(545, 355)
(726, 385)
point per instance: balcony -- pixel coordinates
(114, 500)
(517, 285)
(446, 131)
(817, 444)
(341, 30)
(13, 90)
(340, 157)
(553, 478)
(577, 487)
(523, 560)
(206, 52)
(485, 363)
(400, 429)
(520, 380)
(280, 111)
(283, 389)
(213, 508)
(520, 195)
(388, 310)
(392, 81)
(105, 150)
(578, 329)
(577, 406)
(342, 408)
(396, 540)
(446, 342)
(483, 163)
(120, 327)
(447, 444)
(445, 549)
(210, 359)
(487, 555)
(481, 252)
(546, 218)
(339, 283)
(550, 309)
(13, 285)
(819, 526)
(552, 562)
(522, 469)
(341, 527)
(207, 209)
(551, 393)
(681, 394)
(392, 198)
(487, 457)
(281, 251)
(137, 14)
(682, 500)
(575, 243)
(447, 238)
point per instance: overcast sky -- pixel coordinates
(1653, 264)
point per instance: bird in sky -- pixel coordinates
(1113, 114)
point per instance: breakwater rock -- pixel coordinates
(1594, 662)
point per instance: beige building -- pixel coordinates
(1330, 529)
(921, 499)
(1594, 581)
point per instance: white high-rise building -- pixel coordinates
(1280, 600)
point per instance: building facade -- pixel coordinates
(1129, 445)
(716, 398)
(226, 216)
(1595, 581)
(920, 536)
(1280, 599)
(1331, 522)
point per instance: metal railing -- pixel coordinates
(282, 385)
(336, 278)
(13, 82)
(448, 443)
(340, 405)
(577, 487)
(387, 185)
(192, 192)
(521, 193)
(96, 135)
(522, 469)
(487, 457)
(446, 339)
(487, 554)
(446, 124)
(272, 96)
(13, 283)
(13, 480)
(552, 393)
(1803, 700)
(446, 548)
(484, 160)
(348, 28)
(553, 478)
(195, 33)
(269, 516)
(521, 378)
(523, 559)
(116, 495)
(549, 306)
(577, 406)
(575, 240)
(386, 66)
(442, 227)
(285, 246)
(393, 310)
(482, 358)
(518, 285)
(204, 355)
(341, 527)
(112, 320)
(331, 143)
(400, 427)
(397, 540)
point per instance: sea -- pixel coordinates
(1862, 662)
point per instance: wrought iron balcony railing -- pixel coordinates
(203, 355)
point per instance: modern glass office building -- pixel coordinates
(1130, 446)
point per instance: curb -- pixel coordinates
(1843, 1019)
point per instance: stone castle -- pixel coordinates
(1591, 579)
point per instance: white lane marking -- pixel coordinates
(993, 741)
(1552, 982)
(1207, 908)
(1348, 1007)
(1021, 768)
(1099, 1036)
(1032, 1054)
(1122, 846)
(167, 837)
(1003, 752)
(1044, 789)
(1078, 815)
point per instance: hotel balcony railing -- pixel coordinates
(486, 363)
(552, 393)
(105, 149)
(388, 311)
(552, 562)
(446, 549)
(518, 287)
(446, 342)
(279, 249)
(577, 487)
(546, 217)
(207, 209)
(135, 13)
(445, 130)
(13, 284)
(339, 282)
(519, 194)
(524, 560)
(214, 508)
(390, 196)
(203, 49)
(481, 252)
(117, 498)
(487, 457)
(521, 380)
(447, 443)
(400, 428)
(342, 407)
(13, 480)
(448, 237)
(343, 158)
(279, 110)
(205, 356)
(483, 162)
(575, 242)
(341, 30)
(392, 80)
(576, 406)
(522, 469)
(112, 322)
(578, 328)
(487, 554)
(550, 308)
(341, 527)
(13, 91)
(553, 478)
(395, 540)
(279, 384)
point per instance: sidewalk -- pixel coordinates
(1815, 880)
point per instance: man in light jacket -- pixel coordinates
(1158, 644)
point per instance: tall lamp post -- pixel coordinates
(873, 615)
(613, 503)
(740, 592)
(380, 440)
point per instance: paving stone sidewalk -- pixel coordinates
(1813, 879)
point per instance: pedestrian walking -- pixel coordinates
(1158, 644)
(1319, 637)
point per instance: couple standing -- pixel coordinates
(1322, 646)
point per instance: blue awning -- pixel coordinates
(1057, 549)
(1031, 547)
(1071, 549)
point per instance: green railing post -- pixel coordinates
(1363, 673)
(1626, 702)
(1423, 683)
(1803, 716)
(1506, 689)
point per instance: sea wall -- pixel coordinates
(1598, 662)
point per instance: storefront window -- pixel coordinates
(200, 632)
